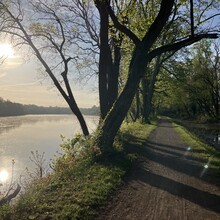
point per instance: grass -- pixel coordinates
(78, 187)
(198, 146)
(138, 130)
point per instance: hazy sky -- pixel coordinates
(22, 82)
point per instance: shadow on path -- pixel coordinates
(167, 181)
(199, 197)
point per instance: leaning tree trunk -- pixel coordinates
(9, 197)
(110, 126)
(75, 109)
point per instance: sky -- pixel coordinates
(22, 82)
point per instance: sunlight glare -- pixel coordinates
(3, 175)
(189, 148)
(206, 166)
(6, 51)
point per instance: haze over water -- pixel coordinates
(22, 134)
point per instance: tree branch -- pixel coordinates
(121, 27)
(178, 45)
(9, 197)
(192, 18)
(159, 23)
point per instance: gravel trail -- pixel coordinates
(169, 182)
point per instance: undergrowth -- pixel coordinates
(80, 183)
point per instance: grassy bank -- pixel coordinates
(202, 149)
(79, 185)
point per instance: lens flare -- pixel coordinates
(4, 175)
(206, 166)
(189, 148)
(6, 51)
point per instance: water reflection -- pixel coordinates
(22, 134)
(208, 132)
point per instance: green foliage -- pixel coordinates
(191, 85)
(6, 212)
(80, 183)
(72, 194)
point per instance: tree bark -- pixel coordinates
(105, 59)
(150, 91)
(75, 109)
(113, 77)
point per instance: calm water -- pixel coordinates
(22, 134)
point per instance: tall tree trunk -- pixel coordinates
(104, 57)
(140, 59)
(113, 77)
(138, 105)
(113, 121)
(145, 84)
(111, 124)
(150, 91)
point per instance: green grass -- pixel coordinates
(73, 193)
(199, 147)
(77, 188)
(137, 130)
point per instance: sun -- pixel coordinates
(3, 175)
(6, 51)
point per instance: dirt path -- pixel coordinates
(168, 183)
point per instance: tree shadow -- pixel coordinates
(180, 148)
(186, 152)
(190, 167)
(205, 199)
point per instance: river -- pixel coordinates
(22, 134)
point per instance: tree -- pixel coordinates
(193, 83)
(142, 55)
(110, 53)
(145, 41)
(206, 78)
(50, 34)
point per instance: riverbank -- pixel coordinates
(175, 178)
(79, 186)
(21, 135)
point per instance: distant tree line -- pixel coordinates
(8, 108)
